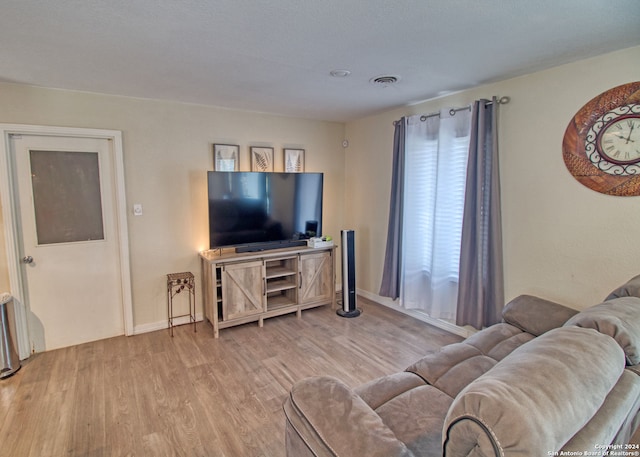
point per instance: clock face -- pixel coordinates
(601, 145)
(619, 141)
(612, 142)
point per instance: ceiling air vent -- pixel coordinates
(384, 80)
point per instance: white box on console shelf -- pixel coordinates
(319, 242)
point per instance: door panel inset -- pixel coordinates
(66, 196)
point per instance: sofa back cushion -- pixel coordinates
(537, 398)
(629, 289)
(620, 319)
(454, 366)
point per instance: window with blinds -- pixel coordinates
(436, 153)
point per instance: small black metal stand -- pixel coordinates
(176, 283)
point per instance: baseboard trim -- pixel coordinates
(163, 325)
(449, 327)
(384, 301)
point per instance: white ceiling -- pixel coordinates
(275, 55)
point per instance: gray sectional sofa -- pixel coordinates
(546, 381)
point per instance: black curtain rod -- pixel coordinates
(501, 101)
(452, 112)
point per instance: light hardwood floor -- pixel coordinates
(193, 395)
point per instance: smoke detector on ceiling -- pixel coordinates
(339, 73)
(385, 80)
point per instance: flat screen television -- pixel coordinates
(254, 211)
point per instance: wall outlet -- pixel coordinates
(137, 209)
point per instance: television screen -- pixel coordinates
(263, 210)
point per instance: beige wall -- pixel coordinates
(562, 240)
(167, 151)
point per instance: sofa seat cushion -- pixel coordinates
(416, 418)
(453, 367)
(379, 391)
(537, 398)
(620, 319)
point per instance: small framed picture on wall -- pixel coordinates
(261, 158)
(294, 160)
(226, 157)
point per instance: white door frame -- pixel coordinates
(12, 219)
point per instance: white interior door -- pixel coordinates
(66, 210)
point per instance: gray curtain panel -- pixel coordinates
(393, 254)
(481, 279)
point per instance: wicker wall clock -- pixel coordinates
(601, 146)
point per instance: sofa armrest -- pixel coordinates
(540, 396)
(326, 417)
(536, 315)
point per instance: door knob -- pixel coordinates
(27, 259)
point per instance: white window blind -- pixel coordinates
(436, 163)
